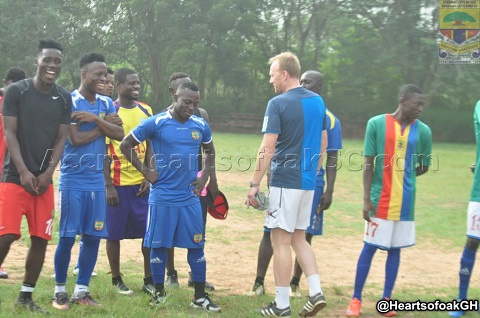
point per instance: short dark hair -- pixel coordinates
(49, 44)
(110, 71)
(90, 58)
(122, 73)
(176, 76)
(15, 74)
(188, 85)
(408, 90)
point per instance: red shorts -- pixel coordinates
(15, 202)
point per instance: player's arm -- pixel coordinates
(45, 179)
(127, 147)
(149, 162)
(27, 179)
(111, 126)
(112, 195)
(265, 154)
(331, 172)
(208, 165)
(78, 138)
(367, 186)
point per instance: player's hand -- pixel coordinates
(325, 200)
(144, 189)
(114, 119)
(112, 196)
(84, 117)
(472, 168)
(213, 188)
(43, 182)
(151, 176)
(199, 184)
(367, 209)
(29, 183)
(251, 197)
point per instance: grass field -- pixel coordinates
(442, 198)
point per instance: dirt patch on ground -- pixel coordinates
(232, 249)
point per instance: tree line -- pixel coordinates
(365, 49)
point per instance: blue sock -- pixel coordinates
(63, 254)
(80, 246)
(87, 258)
(466, 267)
(158, 262)
(391, 271)
(363, 267)
(198, 264)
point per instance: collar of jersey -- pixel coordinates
(76, 92)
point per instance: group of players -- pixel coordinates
(123, 176)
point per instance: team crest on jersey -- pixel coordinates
(101, 115)
(197, 238)
(99, 225)
(400, 145)
(195, 135)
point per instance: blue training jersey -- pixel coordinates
(297, 117)
(175, 147)
(82, 166)
(334, 133)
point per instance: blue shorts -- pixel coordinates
(179, 226)
(128, 220)
(319, 226)
(82, 212)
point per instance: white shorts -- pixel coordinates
(386, 234)
(473, 220)
(289, 209)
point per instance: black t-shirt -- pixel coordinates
(38, 119)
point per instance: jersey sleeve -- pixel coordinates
(334, 133)
(145, 130)
(207, 134)
(11, 101)
(370, 148)
(110, 107)
(425, 152)
(271, 121)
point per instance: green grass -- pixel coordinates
(442, 199)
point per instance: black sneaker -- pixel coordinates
(29, 304)
(272, 311)
(257, 290)
(60, 301)
(172, 279)
(148, 289)
(313, 305)
(206, 303)
(192, 284)
(122, 289)
(158, 299)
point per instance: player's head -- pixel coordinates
(49, 61)
(109, 84)
(93, 72)
(13, 75)
(312, 80)
(284, 67)
(128, 83)
(411, 101)
(186, 100)
(175, 80)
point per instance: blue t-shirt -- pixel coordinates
(334, 133)
(297, 117)
(175, 148)
(82, 166)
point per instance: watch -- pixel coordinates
(254, 185)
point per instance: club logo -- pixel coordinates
(195, 135)
(99, 225)
(197, 238)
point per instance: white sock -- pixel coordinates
(59, 288)
(314, 285)
(80, 289)
(27, 289)
(282, 298)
